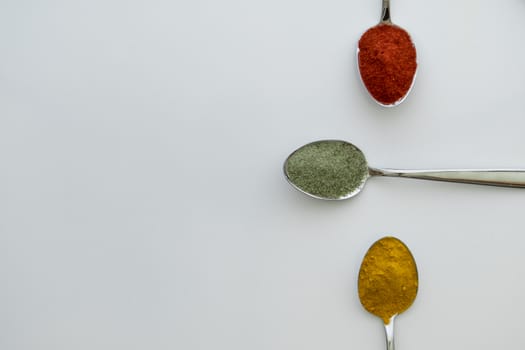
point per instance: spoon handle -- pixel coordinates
(491, 177)
(389, 331)
(385, 14)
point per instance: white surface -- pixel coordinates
(142, 204)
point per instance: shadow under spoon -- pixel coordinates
(337, 170)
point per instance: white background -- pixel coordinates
(142, 201)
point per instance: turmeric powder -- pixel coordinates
(388, 279)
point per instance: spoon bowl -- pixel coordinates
(337, 170)
(329, 169)
(387, 61)
(388, 282)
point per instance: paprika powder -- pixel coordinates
(387, 63)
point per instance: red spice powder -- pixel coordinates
(387, 62)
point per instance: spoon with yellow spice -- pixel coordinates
(388, 282)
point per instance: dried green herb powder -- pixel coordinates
(327, 169)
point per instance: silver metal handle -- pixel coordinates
(385, 14)
(389, 331)
(491, 177)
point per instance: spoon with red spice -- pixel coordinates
(387, 61)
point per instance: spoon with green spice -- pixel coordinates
(336, 170)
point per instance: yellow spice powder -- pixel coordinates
(388, 279)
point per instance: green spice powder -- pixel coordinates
(327, 169)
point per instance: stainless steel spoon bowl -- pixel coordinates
(388, 282)
(336, 170)
(388, 85)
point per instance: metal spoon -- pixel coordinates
(336, 170)
(388, 282)
(386, 75)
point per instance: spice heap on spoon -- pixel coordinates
(387, 60)
(388, 282)
(335, 170)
